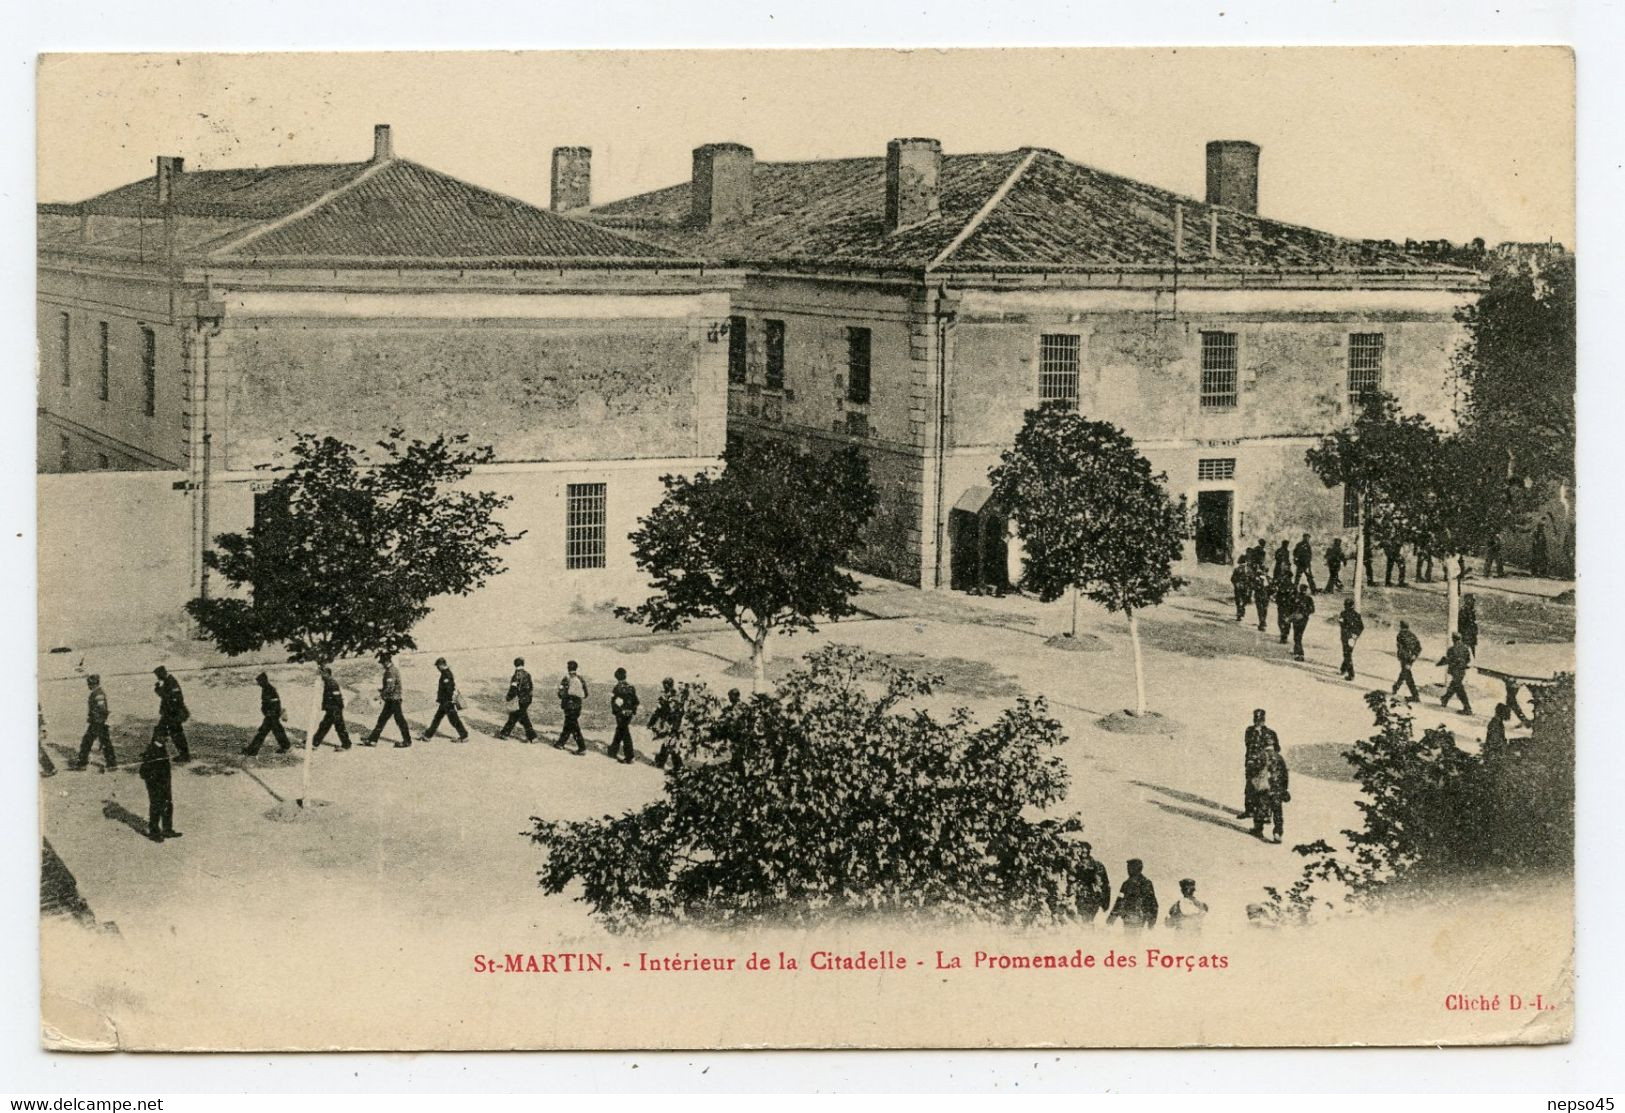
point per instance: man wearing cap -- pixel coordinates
(332, 711)
(1094, 888)
(1257, 740)
(172, 712)
(96, 727)
(155, 773)
(389, 691)
(572, 697)
(1136, 901)
(520, 691)
(270, 718)
(1186, 913)
(623, 704)
(445, 700)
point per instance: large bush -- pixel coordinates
(836, 796)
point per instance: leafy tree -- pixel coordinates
(836, 796)
(346, 553)
(1091, 517)
(760, 545)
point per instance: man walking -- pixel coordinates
(1303, 560)
(1270, 793)
(1186, 913)
(572, 697)
(1241, 583)
(1257, 740)
(1283, 561)
(1407, 649)
(172, 712)
(1136, 901)
(389, 691)
(623, 704)
(1261, 593)
(96, 716)
(1349, 628)
(1396, 559)
(332, 711)
(270, 719)
(521, 689)
(1494, 563)
(1495, 732)
(155, 772)
(1456, 660)
(445, 703)
(1424, 561)
(1303, 609)
(1334, 566)
(1285, 600)
(1094, 888)
(666, 723)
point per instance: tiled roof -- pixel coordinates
(1042, 211)
(393, 210)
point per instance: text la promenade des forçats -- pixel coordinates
(864, 960)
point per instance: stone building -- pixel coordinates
(917, 304)
(191, 323)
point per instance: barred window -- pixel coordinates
(775, 354)
(1216, 469)
(1058, 369)
(857, 366)
(1218, 370)
(1351, 508)
(65, 341)
(737, 337)
(584, 525)
(104, 366)
(1365, 365)
(149, 369)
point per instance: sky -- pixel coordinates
(1418, 142)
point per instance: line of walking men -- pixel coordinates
(1136, 905)
(170, 732)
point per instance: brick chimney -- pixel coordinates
(170, 167)
(383, 144)
(913, 168)
(721, 183)
(1232, 174)
(572, 179)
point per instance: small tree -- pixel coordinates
(347, 553)
(760, 545)
(1092, 518)
(828, 800)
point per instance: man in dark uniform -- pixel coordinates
(1303, 608)
(270, 718)
(1303, 561)
(1270, 793)
(172, 712)
(1257, 740)
(1495, 732)
(1396, 559)
(1408, 649)
(1285, 600)
(1093, 888)
(332, 711)
(521, 689)
(1349, 628)
(1261, 593)
(1283, 562)
(1370, 557)
(1539, 557)
(666, 723)
(96, 715)
(1424, 560)
(1136, 901)
(572, 697)
(1494, 563)
(155, 772)
(1259, 553)
(623, 704)
(1241, 583)
(390, 693)
(445, 703)
(1335, 559)
(1456, 660)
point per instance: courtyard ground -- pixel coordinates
(427, 842)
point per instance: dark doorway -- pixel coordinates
(978, 552)
(1213, 526)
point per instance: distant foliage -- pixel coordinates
(836, 796)
(348, 551)
(1436, 814)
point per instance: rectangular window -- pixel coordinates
(584, 525)
(149, 369)
(104, 366)
(1218, 370)
(1058, 369)
(738, 337)
(857, 366)
(1365, 365)
(775, 354)
(64, 453)
(1210, 470)
(65, 347)
(1351, 508)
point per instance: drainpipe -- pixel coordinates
(208, 328)
(944, 319)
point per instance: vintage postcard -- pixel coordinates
(736, 549)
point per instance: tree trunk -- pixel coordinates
(1139, 661)
(1360, 555)
(1074, 610)
(1452, 593)
(310, 749)
(758, 659)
